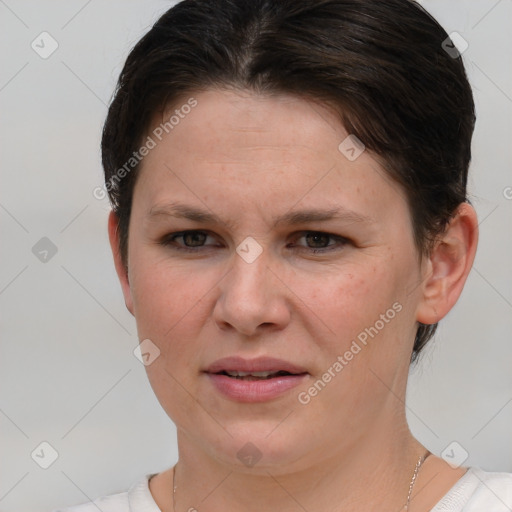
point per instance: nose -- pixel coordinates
(253, 299)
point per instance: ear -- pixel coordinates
(122, 271)
(448, 266)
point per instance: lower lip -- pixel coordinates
(262, 390)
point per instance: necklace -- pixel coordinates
(406, 506)
(413, 479)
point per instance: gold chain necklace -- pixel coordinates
(411, 485)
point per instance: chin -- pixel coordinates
(257, 447)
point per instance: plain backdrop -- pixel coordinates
(68, 373)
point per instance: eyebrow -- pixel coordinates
(184, 211)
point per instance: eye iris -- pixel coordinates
(317, 240)
(194, 239)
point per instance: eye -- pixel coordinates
(190, 241)
(318, 241)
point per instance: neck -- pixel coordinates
(372, 473)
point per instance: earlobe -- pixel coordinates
(121, 270)
(448, 266)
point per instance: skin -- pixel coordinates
(249, 159)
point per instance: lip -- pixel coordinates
(259, 364)
(252, 391)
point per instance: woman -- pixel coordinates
(289, 223)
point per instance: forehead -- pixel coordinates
(243, 120)
(243, 148)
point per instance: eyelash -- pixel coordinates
(169, 241)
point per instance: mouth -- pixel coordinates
(252, 369)
(254, 380)
(256, 375)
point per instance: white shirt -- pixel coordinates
(475, 491)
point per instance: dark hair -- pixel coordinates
(381, 64)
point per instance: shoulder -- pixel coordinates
(479, 490)
(113, 503)
(137, 498)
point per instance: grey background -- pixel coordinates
(68, 373)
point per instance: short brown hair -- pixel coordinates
(380, 64)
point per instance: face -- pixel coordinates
(293, 251)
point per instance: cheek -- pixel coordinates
(170, 308)
(345, 299)
(167, 300)
(367, 305)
